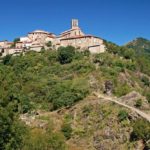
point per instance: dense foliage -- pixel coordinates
(11, 129)
(65, 55)
(141, 131)
(140, 45)
(51, 80)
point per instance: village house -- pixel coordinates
(38, 39)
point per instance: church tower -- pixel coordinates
(74, 23)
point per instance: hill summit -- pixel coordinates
(139, 44)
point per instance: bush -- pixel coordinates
(6, 59)
(65, 54)
(127, 53)
(148, 97)
(67, 130)
(37, 139)
(111, 47)
(49, 44)
(121, 89)
(141, 130)
(122, 115)
(57, 142)
(11, 129)
(67, 93)
(145, 80)
(138, 103)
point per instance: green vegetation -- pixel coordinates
(145, 80)
(148, 97)
(14, 42)
(6, 59)
(37, 139)
(66, 93)
(49, 44)
(65, 55)
(122, 115)
(51, 80)
(138, 103)
(67, 130)
(140, 45)
(141, 131)
(11, 129)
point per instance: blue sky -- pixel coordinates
(118, 21)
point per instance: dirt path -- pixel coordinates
(115, 100)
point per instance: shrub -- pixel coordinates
(67, 130)
(87, 109)
(67, 93)
(121, 89)
(6, 59)
(37, 139)
(127, 53)
(122, 115)
(141, 130)
(65, 54)
(145, 80)
(57, 142)
(148, 97)
(86, 53)
(138, 103)
(49, 44)
(111, 47)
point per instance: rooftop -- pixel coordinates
(40, 31)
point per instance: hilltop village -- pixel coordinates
(39, 39)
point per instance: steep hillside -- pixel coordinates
(47, 102)
(93, 124)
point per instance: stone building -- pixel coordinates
(5, 44)
(75, 37)
(37, 39)
(40, 36)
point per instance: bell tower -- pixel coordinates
(74, 23)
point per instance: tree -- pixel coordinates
(49, 44)
(6, 59)
(14, 42)
(11, 129)
(65, 54)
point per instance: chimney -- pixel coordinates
(74, 23)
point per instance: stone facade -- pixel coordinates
(37, 39)
(75, 37)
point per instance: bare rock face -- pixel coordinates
(108, 87)
(131, 99)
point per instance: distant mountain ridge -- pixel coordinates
(139, 44)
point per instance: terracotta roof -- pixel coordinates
(10, 42)
(19, 42)
(52, 36)
(78, 37)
